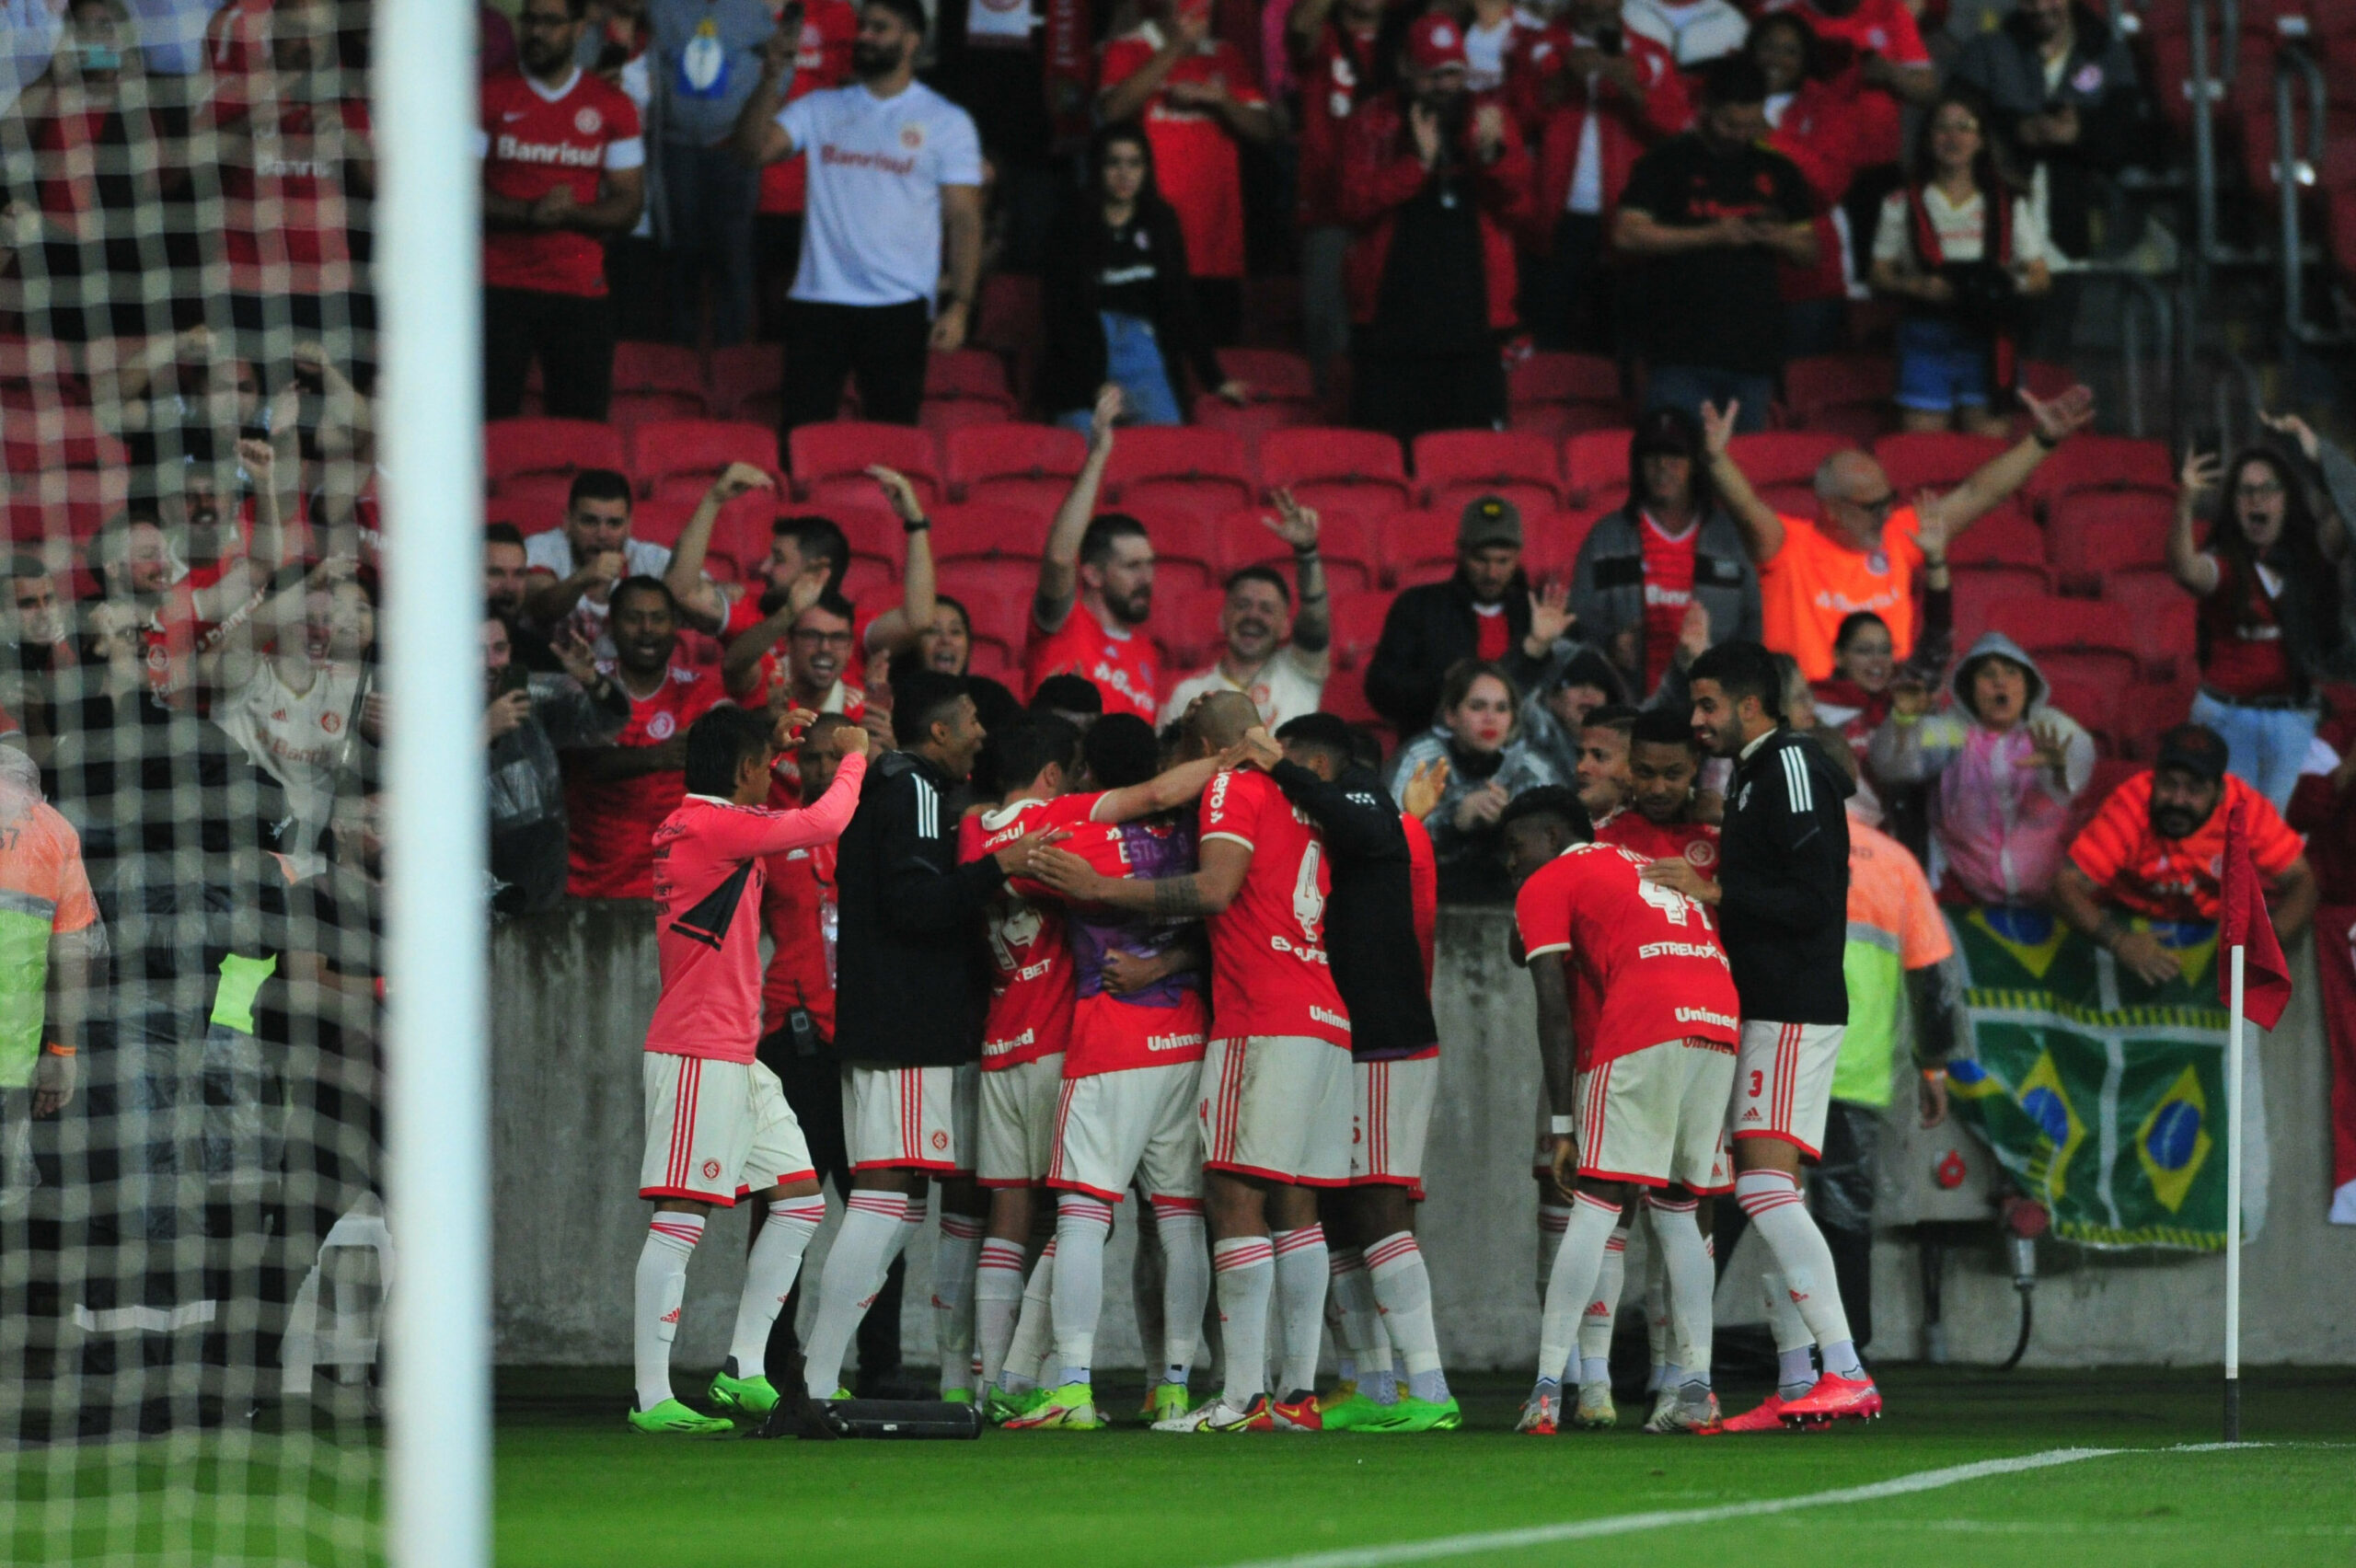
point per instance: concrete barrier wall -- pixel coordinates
(572, 991)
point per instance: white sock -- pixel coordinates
(1794, 1346)
(1149, 1285)
(1082, 1226)
(954, 1261)
(661, 1284)
(997, 1296)
(1186, 1284)
(1244, 1270)
(1552, 1220)
(1572, 1285)
(769, 1278)
(1772, 1201)
(1032, 1328)
(1394, 1265)
(1677, 1237)
(1596, 1323)
(1302, 1268)
(871, 1234)
(1358, 1326)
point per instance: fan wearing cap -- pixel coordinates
(1666, 575)
(1485, 611)
(1435, 180)
(2155, 852)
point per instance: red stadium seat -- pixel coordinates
(1186, 550)
(1355, 471)
(938, 418)
(1845, 393)
(1453, 468)
(1172, 469)
(1594, 468)
(1007, 318)
(1185, 623)
(547, 449)
(2003, 538)
(1014, 464)
(1781, 458)
(2089, 637)
(2089, 462)
(997, 598)
(1980, 589)
(659, 521)
(979, 530)
(1938, 459)
(1357, 627)
(678, 459)
(2099, 705)
(994, 660)
(657, 381)
(1283, 395)
(2092, 533)
(1551, 543)
(1275, 374)
(1419, 546)
(1352, 560)
(744, 381)
(967, 375)
(830, 461)
(1559, 393)
(2164, 619)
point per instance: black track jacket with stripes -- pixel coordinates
(911, 972)
(1783, 853)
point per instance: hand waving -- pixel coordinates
(1294, 523)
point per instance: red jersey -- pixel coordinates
(613, 824)
(1423, 886)
(532, 143)
(708, 878)
(1328, 90)
(828, 27)
(800, 911)
(1122, 666)
(1195, 160)
(2176, 879)
(1876, 27)
(1031, 972)
(1645, 959)
(1492, 634)
(1630, 829)
(286, 219)
(2242, 644)
(1270, 974)
(1669, 592)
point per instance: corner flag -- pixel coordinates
(2244, 922)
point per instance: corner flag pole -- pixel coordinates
(2234, 1208)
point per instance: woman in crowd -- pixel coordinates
(1478, 757)
(1119, 301)
(947, 645)
(1813, 123)
(2007, 766)
(1958, 246)
(2269, 585)
(1866, 681)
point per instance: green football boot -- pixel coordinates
(1071, 1408)
(1165, 1401)
(671, 1419)
(1000, 1406)
(1412, 1415)
(1358, 1414)
(752, 1396)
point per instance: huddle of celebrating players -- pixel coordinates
(1023, 1014)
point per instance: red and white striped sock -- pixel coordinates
(1243, 1269)
(1357, 1327)
(661, 1284)
(874, 1223)
(1572, 1287)
(1186, 1284)
(769, 1272)
(954, 1256)
(1404, 1287)
(1552, 1219)
(1302, 1268)
(997, 1296)
(1082, 1226)
(1772, 1199)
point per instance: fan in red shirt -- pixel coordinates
(1340, 61)
(2156, 850)
(1637, 1021)
(617, 796)
(563, 170)
(1877, 44)
(717, 1123)
(1095, 591)
(1195, 95)
(1662, 768)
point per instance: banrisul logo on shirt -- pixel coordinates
(704, 64)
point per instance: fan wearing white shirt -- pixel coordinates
(895, 171)
(1276, 658)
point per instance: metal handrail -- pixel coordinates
(2293, 173)
(2202, 87)
(2139, 286)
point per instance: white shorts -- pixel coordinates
(716, 1130)
(910, 1118)
(1784, 1082)
(1392, 1116)
(1018, 1122)
(1652, 1117)
(1279, 1106)
(1135, 1125)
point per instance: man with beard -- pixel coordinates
(1096, 590)
(820, 644)
(35, 650)
(1278, 662)
(2156, 850)
(563, 170)
(505, 574)
(894, 205)
(1434, 181)
(1487, 611)
(617, 796)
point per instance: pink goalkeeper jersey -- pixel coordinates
(708, 880)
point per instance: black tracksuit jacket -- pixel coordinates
(1370, 916)
(1783, 864)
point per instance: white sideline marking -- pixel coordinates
(1628, 1524)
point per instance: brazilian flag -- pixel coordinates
(2103, 1096)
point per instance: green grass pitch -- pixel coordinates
(577, 1491)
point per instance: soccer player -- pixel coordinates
(1377, 961)
(1783, 898)
(1638, 1054)
(1127, 1108)
(709, 1144)
(909, 991)
(1031, 993)
(1274, 1105)
(1601, 772)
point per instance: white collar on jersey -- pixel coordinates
(554, 95)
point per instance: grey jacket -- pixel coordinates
(1608, 583)
(1470, 870)
(2097, 80)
